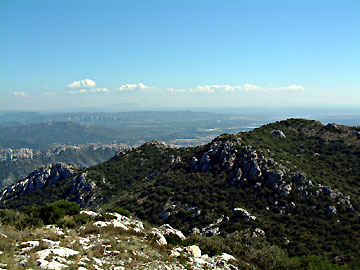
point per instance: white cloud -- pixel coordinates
(86, 83)
(130, 87)
(97, 90)
(292, 87)
(206, 88)
(84, 90)
(248, 86)
(226, 87)
(215, 88)
(20, 94)
(179, 90)
(245, 87)
(86, 87)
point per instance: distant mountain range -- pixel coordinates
(38, 131)
(294, 182)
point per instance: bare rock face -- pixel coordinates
(222, 153)
(120, 153)
(278, 133)
(82, 190)
(13, 154)
(244, 213)
(156, 144)
(331, 210)
(38, 179)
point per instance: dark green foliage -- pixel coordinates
(36, 216)
(173, 239)
(121, 211)
(328, 155)
(81, 219)
(212, 246)
(52, 213)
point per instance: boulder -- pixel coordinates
(160, 239)
(227, 257)
(193, 250)
(53, 265)
(58, 251)
(166, 229)
(257, 232)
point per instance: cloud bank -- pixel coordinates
(130, 87)
(86, 83)
(88, 86)
(235, 88)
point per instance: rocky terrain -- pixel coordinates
(17, 163)
(279, 189)
(106, 241)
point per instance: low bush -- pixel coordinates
(122, 211)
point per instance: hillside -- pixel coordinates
(91, 240)
(16, 164)
(42, 136)
(295, 182)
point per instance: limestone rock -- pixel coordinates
(244, 213)
(58, 251)
(166, 229)
(278, 133)
(161, 240)
(156, 144)
(331, 210)
(257, 232)
(53, 265)
(227, 257)
(284, 189)
(38, 179)
(193, 250)
(82, 190)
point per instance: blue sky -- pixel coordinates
(63, 54)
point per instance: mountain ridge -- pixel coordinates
(277, 184)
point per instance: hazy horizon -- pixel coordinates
(66, 55)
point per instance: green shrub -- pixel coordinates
(82, 219)
(173, 239)
(122, 211)
(313, 262)
(53, 212)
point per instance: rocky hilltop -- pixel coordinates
(17, 163)
(38, 179)
(295, 183)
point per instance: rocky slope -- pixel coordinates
(296, 182)
(17, 163)
(107, 241)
